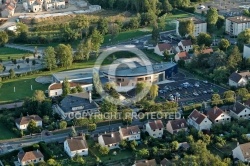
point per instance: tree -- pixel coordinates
(32, 126)
(104, 150)
(166, 6)
(96, 40)
(69, 34)
(243, 38)
(65, 87)
(46, 119)
(18, 66)
(73, 90)
(12, 73)
(39, 96)
(21, 27)
(64, 55)
(212, 16)
(155, 33)
(107, 106)
(52, 162)
(153, 91)
(224, 44)
(186, 27)
(144, 153)
(49, 58)
(102, 26)
(218, 59)
(92, 127)
(1, 68)
(204, 38)
(62, 124)
(133, 144)
(123, 144)
(27, 60)
(4, 38)
(33, 62)
(174, 145)
(83, 50)
(216, 100)
(220, 74)
(234, 59)
(242, 92)
(220, 21)
(79, 88)
(134, 23)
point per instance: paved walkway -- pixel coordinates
(11, 105)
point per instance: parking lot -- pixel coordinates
(189, 91)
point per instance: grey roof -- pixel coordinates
(238, 107)
(80, 101)
(142, 70)
(237, 76)
(73, 75)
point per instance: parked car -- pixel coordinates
(196, 94)
(205, 92)
(205, 82)
(197, 85)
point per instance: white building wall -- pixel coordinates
(246, 51)
(156, 133)
(238, 154)
(223, 118)
(81, 152)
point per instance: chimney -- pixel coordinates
(90, 97)
(182, 124)
(238, 143)
(112, 134)
(215, 110)
(37, 150)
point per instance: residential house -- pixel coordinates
(184, 45)
(183, 146)
(23, 122)
(217, 115)
(145, 162)
(240, 110)
(174, 126)
(199, 121)
(8, 9)
(155, 128)
(60, 4)
(55, 89)
(76, 106)
(163, 47)
(165, 162)
(242, 152)
(130, 133)
(76, 146)
(238, 79)
(207, 51)
(182, 56)
(237, 24)
(30, 158)
(110, 140)
(246, 51)
(200, 26)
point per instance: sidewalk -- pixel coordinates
(11, 105)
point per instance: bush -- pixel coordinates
(190, 9)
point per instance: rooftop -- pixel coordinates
(130, 130)
(214, 113)
(197, 116)
(77, 143)
(164, 46)
(26, 119)
(151, 162)
(32, 155)
(77, 102)
(156, 124)
(142, 70)
(178, 124)
(239, 19)
(111, 138)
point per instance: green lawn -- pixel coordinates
(152, 56)
(6, 52)
(22, 89)
(123, 36)
(6, 133)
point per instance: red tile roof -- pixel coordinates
(207, 51)
(157, 124)
(164, 46)
(214, 113)
(183, 55)
(32, 155)
(197, 116)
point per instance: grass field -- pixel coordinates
(6, 52)
(123, 36)
(5, 133)
(22, 89)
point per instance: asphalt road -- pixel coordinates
(22, 142)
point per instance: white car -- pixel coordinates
(196, 94)
(196, 85)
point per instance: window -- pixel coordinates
(160, 129)
(205, 121)
(222, 115)
(227, 118)
(153, 130)
(153, 134)
(56, 93)
(139, 79)
(216, 121)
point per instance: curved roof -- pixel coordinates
(141, 70)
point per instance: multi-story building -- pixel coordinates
(155, 128)
(200, 26)
(237, 24)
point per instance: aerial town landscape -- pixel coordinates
(124, 82)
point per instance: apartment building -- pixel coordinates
(237, 24)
